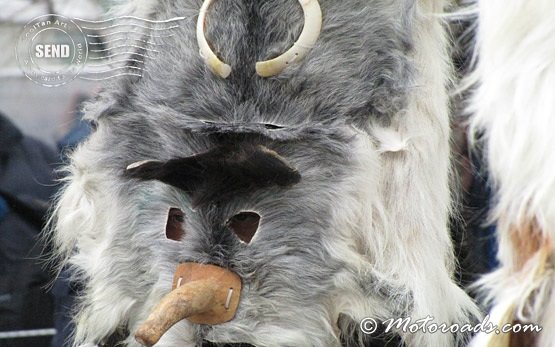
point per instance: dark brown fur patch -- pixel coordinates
(221, 173)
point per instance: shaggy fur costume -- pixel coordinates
(363, 119)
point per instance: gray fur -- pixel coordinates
(358, 74)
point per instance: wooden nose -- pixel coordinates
(203, 294)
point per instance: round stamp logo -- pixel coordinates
(52, 50)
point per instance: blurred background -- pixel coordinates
(44, 113)
(37, 125)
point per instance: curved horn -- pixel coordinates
(206, 52)
(307, 39)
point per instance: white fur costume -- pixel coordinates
(514, 109)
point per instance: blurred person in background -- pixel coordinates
(27, 169)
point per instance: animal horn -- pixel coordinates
(307, 39)
(206, 52)
(203, 294)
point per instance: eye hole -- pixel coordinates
(244, 225)
(175, 224)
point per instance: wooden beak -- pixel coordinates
(203, 294)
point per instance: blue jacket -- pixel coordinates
(26, 185)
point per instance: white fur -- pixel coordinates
(404, 235)
(514, 107)
(88, 216)
(415, 190)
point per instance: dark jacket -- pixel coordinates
(26, 185)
